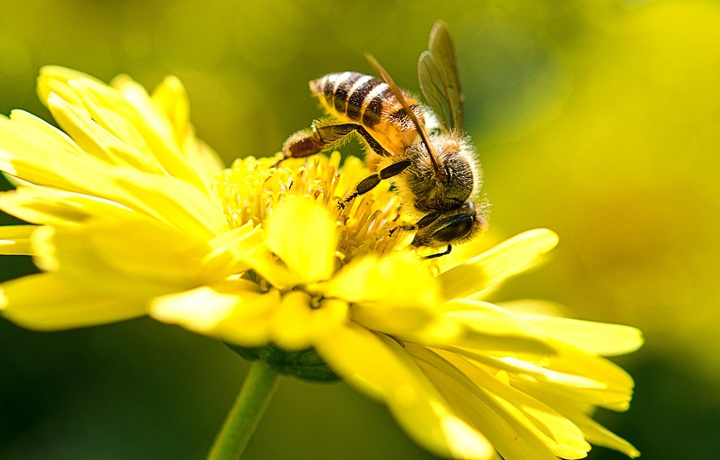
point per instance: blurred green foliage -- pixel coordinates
(598, 119)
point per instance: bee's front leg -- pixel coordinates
(422, 223)
(370, 182)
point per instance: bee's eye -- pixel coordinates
(459, 227)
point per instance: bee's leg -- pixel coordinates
(360, 129)
(370, 182)
(439, 254)
(320, 137)
(422, 223)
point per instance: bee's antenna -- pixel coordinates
(420, 128)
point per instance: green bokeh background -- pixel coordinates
(598, 119)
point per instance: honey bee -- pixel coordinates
(425, 152)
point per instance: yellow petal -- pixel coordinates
(96, 141)
(199, 310)
(568, 369)
(24, 133)
(159, 132)
(49, 302)
(292, 320)
(57, 163)
(207, 164)
(140, 256)
(304, 235)
(542, 374)
(601, 436)
(617, 385)
(383, 370)
(482, 327)
(593, 337)
(494, 266)
(233, 310)
(24, 136)
(578, 413)
(172, 101)
(170, 200)
(45, 206)
(394, 294)
(125, 112)
(190, 157)
(52, 73)
(108, 107)
(297, 322)
(520, 427)
(15, 240)
(244, 248)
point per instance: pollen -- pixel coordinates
(253, 187)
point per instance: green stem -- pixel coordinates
(259, 386)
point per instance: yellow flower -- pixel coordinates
(135, 216)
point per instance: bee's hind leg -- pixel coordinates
(321, 136)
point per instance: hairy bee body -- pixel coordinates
(425, 152)
(368, 101)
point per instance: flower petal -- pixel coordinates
(233, 310)
(483, 327)
(140, 257)
(46, 206)
(171, 100)
(615, 392)
(601, 436)
(520, 427)
(292, 320)
(23, 137)
(29, 152)
(304, 235)
(124, 111)
(395, 294)
(598, 338)
(15, 240)
(243, 248)
(494, 266)
(208, 164)
(381, 369)
(593, 431)
(49, 301)
(96, 141)
(171, 201)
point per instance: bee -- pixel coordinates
(423, 150)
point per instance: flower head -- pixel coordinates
(135, 216)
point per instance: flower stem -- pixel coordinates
(259, 386)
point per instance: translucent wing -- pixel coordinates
(418, 126)
(440, 80)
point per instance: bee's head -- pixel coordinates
(450, 227)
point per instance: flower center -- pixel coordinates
(252, 188)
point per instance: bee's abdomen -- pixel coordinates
(360, 98)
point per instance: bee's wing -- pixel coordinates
(440, 80)
(420, 127)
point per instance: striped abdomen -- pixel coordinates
(362, 99)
